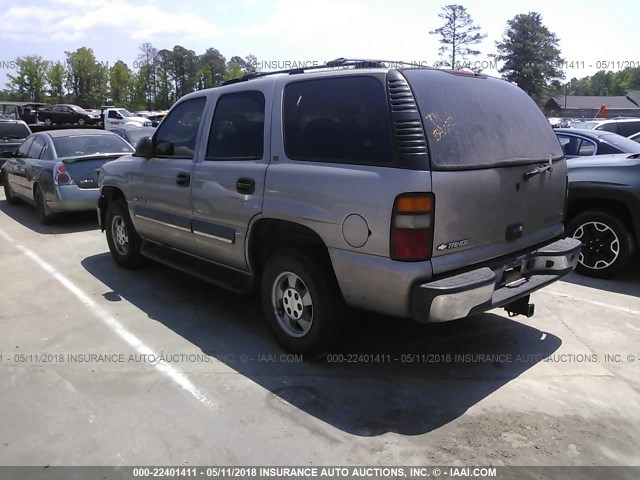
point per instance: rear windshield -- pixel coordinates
(475, 122)
(79, 145)
(13, 131)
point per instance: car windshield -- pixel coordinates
(625, 145)
(134, 136)
(80, 145)
(76, 108)
(125, 113)
(13, 131)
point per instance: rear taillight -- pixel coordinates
(412, 227)
(61, 175)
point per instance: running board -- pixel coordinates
(199, 267)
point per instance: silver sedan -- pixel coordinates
(57, 170)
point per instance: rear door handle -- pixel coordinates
(183, 179)
(246, 186)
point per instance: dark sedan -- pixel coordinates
(585, 143)
(57, 170)
(71, 114)
(134, 134)
(12, 134)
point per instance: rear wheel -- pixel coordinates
(82, 122)
(124, 242)
(302, 302)
(8, 193)
(607, 243)
(42, 211)
(48, 122)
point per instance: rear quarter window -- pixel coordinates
(626, 129)
(342, 120)
(476, 122)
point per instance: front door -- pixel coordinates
(161, 185)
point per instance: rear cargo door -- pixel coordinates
(498, 171)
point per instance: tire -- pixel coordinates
(124, 242)
(81, 122)
(8, 193)
(44, 217)
(302, 302)
(607, 243)
(48, 122)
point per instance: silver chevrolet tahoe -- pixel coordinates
(411, 192)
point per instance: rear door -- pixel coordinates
(498, 171)
(228, 181)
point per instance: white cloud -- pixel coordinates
(70, 20)
(334, 28)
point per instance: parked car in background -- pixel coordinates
(66, 113)
(622, 126)
(57, 170)
(25, 111)
(374, 188)
(134, 134)
(603, 212)
(585, 143)
(12, 134)
(582, 123)
(556, 122)
(120, 117)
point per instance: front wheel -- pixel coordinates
(302, 302)
(124, 242)
(82, 122)
(48, 122)
(607, 243)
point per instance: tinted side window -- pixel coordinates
(113, 114)
(180, 128)
(237, 130)
(586, 148)
(37, 147)
(608, 127)
(626, 129)
(605, 149)
(24, 148)
(338, 120)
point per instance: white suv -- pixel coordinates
(622, 126)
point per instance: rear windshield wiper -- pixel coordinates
(539, 170)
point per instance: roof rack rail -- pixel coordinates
(337, 63)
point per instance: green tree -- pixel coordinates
(164, 73)
(235, 68)
(530, 53)
(120, 82)
(56, 79)
(30, 79)
(251, 63)
(212, 68)
(86, 78)
(185, 68)
(457, 35)
(146, 64)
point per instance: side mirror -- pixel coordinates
(164, 148)
(144, 147)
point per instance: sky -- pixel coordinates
(593, 34)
